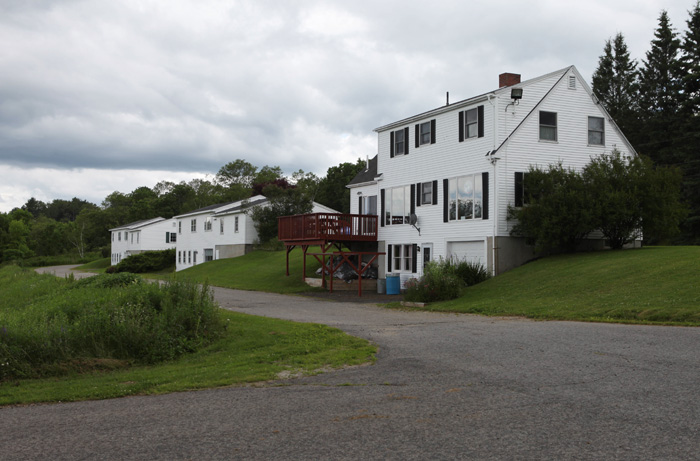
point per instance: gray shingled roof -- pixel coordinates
(366, 175)
(242, 206)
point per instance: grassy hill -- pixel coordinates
(259, 271)
(649, 285)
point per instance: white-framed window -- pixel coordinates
(426, 193)
(126, 237)
(235, 224)
(402, 258)
(179, 260)
(113, 236)
(397, 205)
(173, 237)
(119, 235)
(596, 131)
(399, 142)
(207, 224)
(194, 257)
(138, 237)
(465, 195)
(471, 123)
(132, 237)
(368, 205)
(179, 227)
(425, 133)
(189, 257)
(548, 126)
(193, 225)
(221, 225)
(521, 194)
(208, 254)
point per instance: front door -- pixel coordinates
(427, 252)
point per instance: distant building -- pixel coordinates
(219, 231)
(146, 235)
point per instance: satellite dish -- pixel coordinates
(413, 220)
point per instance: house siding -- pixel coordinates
(512, 130)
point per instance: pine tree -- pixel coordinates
(689, 141)
(615, 84)
(659, 90)
(690, 64)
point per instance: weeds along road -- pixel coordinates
(444, 386)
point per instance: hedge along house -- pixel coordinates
(219, 231)
(147, 235)
(443, 180)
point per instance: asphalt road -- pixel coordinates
(444, 386)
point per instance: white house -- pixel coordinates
(137, 237)
(219, 231)
(457, 168)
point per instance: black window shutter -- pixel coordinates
(518, 188)
(435, 192)
(480, 115)
(391, 147)
(405, 141)
(461, 126)
(414, 259)
(167, 237)
(445, 185)
(381, 205)
(413, 198)
(432, 131)
(485, 195)
(417, 136)
(419, 190)
(388, 257)
(359, 206)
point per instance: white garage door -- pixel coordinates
(467, 251)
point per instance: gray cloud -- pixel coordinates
(187, 86)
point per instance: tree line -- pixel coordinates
(38, 230)
(656, 104)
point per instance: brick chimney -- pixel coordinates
(508, 79)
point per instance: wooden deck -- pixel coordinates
(326, 227)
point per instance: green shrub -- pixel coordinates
(50, 326)
(60, 260)
(470, 272)
(439, 283)
(149, 261)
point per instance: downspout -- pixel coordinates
(494, 247)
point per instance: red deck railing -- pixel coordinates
(327, 226)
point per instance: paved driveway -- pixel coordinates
(444, 386)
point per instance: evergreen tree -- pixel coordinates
(615, 83)
(689, 140)
(659, 88)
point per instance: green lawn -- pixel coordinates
(254, 349)
(658, 285)
(258, 271)
(249, 349)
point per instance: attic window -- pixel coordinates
(572, 82)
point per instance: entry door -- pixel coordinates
(427, 251)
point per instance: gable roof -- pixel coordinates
(241, 205)
(138, 224)
(483, 97)
(367, 175)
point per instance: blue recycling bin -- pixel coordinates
(393, 284)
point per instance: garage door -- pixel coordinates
(467, 251)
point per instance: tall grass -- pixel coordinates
(50, 326)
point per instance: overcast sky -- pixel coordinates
(98, 96)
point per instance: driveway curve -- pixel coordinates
(445, 386)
